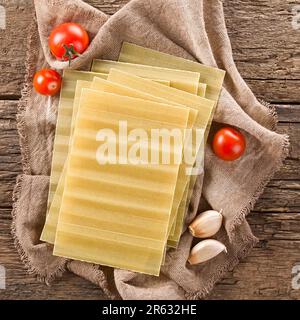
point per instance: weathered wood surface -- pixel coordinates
(267, 51)
(265, 45)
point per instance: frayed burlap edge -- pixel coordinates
(23, 255)
(265, 179)
(31, 57)
(32, 54)
(221, 270)
(104, 284)
(273, 116)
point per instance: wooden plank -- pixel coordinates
(280, 196)
(268, 58)
(21, 285)
(265, 44)
(265, 274)
(275, 221)
(288, 113)
(278, 190)
(276, 90)
(269, 266)
(13, 46)
(286, 226)
(289, 171)
(293, 130)
(10, 158)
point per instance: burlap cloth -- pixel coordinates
(193, 29)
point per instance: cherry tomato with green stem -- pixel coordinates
(68, 40)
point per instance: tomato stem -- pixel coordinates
(70, 53)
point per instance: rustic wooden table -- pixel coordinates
(266, 46)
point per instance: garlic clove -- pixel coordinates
(207, 224)
(206, 250)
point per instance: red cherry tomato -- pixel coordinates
(229, 144)
(47, 82)
(68, 40)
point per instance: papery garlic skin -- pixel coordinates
(206, 224)
(206, 250)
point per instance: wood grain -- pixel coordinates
(264, 42)
(268, 58)
(267, 52)
(265, 274)
(266, 47)
(13, 47)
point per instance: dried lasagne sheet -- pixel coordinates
(212, 77)
(117, 215)
(49, 230)
(183, 80)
